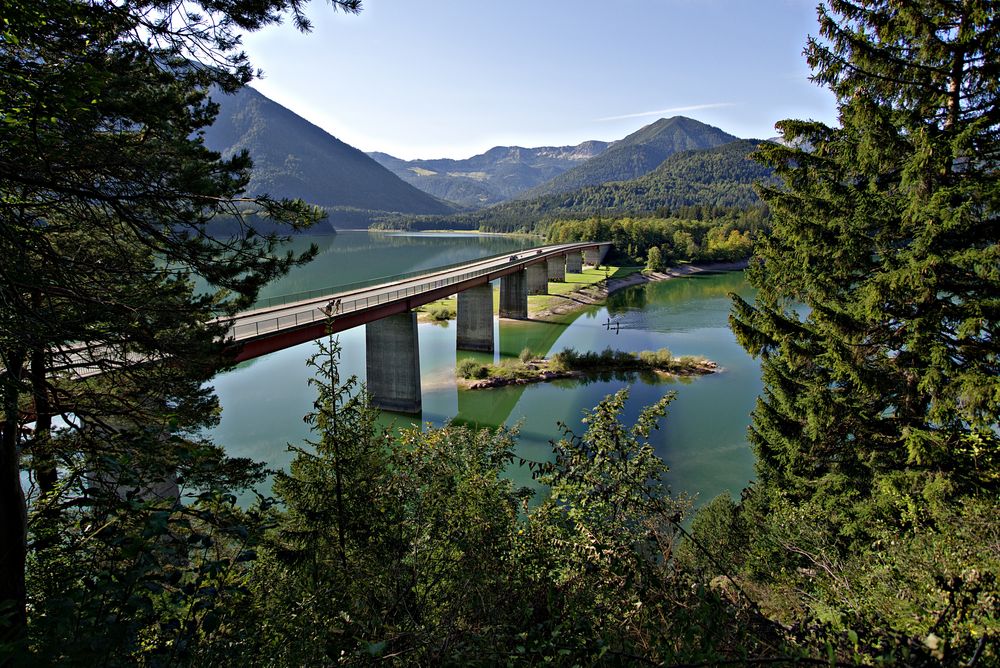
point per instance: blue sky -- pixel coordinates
(452, 78)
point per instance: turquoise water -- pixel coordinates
(703, 438)
(352, 256)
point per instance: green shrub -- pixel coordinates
(526, 355)
(470, 368)
(564, 360)
(507, 368)
(688, 361)
(441, 313)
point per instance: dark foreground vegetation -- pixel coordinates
(870, 536)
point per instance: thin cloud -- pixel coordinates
(671, 110)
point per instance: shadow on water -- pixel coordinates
(493, 408)
(490, 409)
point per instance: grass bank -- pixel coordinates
(577, 291)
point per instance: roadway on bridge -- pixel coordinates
(415, 291)
(263, 330)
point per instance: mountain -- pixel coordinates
(715, 178)
(294, 158)
(494, 176)
(637, 154)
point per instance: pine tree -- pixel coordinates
(876, 325)
(106, 199)
(880, 285)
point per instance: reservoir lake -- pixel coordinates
(702, 439)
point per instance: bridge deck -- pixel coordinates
(265, 330)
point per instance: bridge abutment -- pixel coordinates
(574, 262)
(514, 295)
(538, 278)
(393, 362)
(475, 319)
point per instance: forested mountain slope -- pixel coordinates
(717, 178)
(636, 155)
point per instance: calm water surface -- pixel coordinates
(703, 438)
(352, 256)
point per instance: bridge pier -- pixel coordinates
(574, 262)
(592, 256)
(475, 319)
(556, 267)
(602, 252)
(393, 362)
(148, 483)
(514, 295)
(538, 278)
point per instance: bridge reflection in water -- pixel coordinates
(386, 310)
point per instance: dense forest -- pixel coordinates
(660, 242)
(870, 536)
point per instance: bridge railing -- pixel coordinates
(313, 312)
(280, 300)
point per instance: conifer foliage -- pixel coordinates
(876, 322)
(106, 195)
(888, 237)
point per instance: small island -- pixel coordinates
(569, 363)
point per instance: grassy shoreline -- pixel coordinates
(578, 291)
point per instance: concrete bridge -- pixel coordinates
(386, 310)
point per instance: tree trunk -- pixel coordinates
(41, 452)
(13, 513)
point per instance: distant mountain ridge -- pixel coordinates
(636, 155)
(672, 162)
(294, 158)
(499, 174)
(716, 178)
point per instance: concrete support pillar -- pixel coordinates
(556, 268)
(393, 362)
(475, 319)
(514, 295)
(538, 278)
(149, 483)
(592, 256)
(603, 253)
(574, 262)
